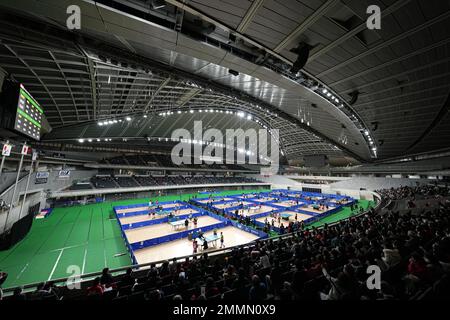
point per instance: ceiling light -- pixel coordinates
(80, 140)
(191, 111)
(89, 140)
(158, 4)
(145, 116)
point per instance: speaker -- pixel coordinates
(354, 97)
(302, 52)
(233, 72)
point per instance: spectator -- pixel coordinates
(128, 279)
(211, 288)
(258, 290)
(96, 289)
(106, 279)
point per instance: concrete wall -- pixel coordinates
(6, 180)
(36, 193)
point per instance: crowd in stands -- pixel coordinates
(106, 181)
(418, 192)
(411, 251)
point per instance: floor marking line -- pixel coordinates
(54, 266)
(20, 273)
(84, 260)
(70, 247)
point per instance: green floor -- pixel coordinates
(344, 213)
(86, 236)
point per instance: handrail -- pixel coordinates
(12, 185)
(90, 276)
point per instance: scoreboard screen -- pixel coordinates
(29, 115)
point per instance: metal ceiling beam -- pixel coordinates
(390, 106)
(306, 24)
(402, 95)
(187, 97)
(436, 121)
(203, 16)
(67, 83)
(37, 77)
(387, 43)
(391, 9)
(161, 86)
(92, 78)
(251, 12)
(406, 84)
(398, 75)
(390, 62)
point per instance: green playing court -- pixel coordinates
(86, 236)
(344, 213)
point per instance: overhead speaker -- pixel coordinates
(354, 97)
(302, 52)
(375, 125)
(233, 72)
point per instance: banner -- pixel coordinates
(25, 150)
(41, 177)
(64, 174)
(6, 151)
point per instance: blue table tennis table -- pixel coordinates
(176, 224)
(212, 239)
(209, 239)
(285, 216)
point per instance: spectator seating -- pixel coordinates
(412, 252)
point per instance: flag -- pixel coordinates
(6, 151)
(25, 149)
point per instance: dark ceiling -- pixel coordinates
(401, 71)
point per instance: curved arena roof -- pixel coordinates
(154, 69)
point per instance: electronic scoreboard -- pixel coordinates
(29, 115)
(20, 111)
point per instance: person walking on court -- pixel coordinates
(194, 246)
(150, 204)
(186, 223)
(222, 245)
(195, 222)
